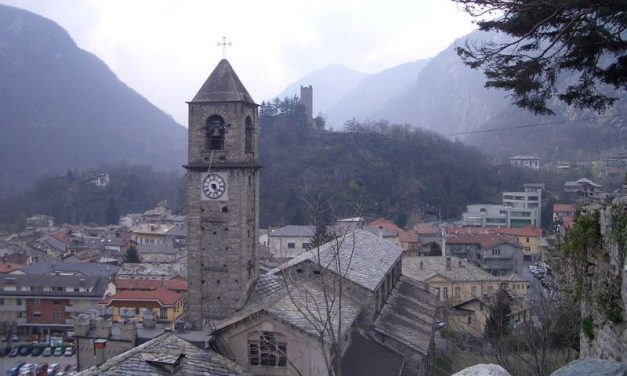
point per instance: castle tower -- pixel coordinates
(222, 197)
(306, 99)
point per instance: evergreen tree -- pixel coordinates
(132, 257)
(497, 325)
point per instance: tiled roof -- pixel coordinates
(523, 231)
(408, 315)
(162, 295)
(164, 355)
(6, 267)
(366, 357)
(460, 270)
(150, 284)
(408, 236)
(294, 231)
(60, 236)
(86, 269)
(484, 240)
(95, 284)
(561, 208)
(364, 258)
(425, 228)
(385, 223)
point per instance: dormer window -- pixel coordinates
(215, 132)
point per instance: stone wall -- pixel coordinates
(607, 271)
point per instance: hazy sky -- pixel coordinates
(165, 49)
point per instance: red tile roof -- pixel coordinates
(424, 228)
(529, 231)
(484, 240)
(150, 284)
(164, 296)
(385, 223)
(60, 236)
(7, 267)
(561, 208)
(407, 237)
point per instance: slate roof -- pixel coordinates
(364, 258)
(97, 285)
(306, 231)
(167, 354)
(223, 85)
(298, 305)
(366, 357)
(408, 315)
(436, 265)
(86, 268)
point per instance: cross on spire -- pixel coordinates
(224, 43)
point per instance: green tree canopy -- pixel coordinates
(585, 37)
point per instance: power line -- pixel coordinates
(557, 122)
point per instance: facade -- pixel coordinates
(563, 210)
(470, 316)
(519, 209)
(151, 234)
(455, 280)
(222, 197)
(165, 305)
(40, 221)
(582, 188)
(529, 237)
(497, 254)
(48, 301)
(528, 161)
(290, 241)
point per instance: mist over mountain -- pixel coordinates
(62, 108)
(373, 92)
(330, 85)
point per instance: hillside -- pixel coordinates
(61, 108)
(330, 84)
(373, 92)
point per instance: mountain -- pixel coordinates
(329, 85)
(373, 92)
(62, 108)
(450, 98)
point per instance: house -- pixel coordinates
(153, 234)
(48, 301)
(529, 237)
(455, 280)
(166, 354)
(528, 161)
(158, 213)
(131, 220)
(163, 253)
(582, 188)
(290, 241)
(7, 267)
(178, 285)
(495, 253)
(158, 271)
(39, 221)
(70, 268)
(518, 209)
(383, 312)
(563, 210)
(166, 305)
(100, 180)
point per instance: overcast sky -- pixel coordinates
(165, 49)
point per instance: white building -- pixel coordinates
(519, 209)
(528, 161)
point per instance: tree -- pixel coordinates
(132, 257)
(497, 325)
(548, 38)
(112, 214)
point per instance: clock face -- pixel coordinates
(213, 186)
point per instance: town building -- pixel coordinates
(582, 188)
(497, 254)
(165, 305)
(528, 161)
(455, 280)
(290, 241)
(97, 338)
(39, 221)
(100, 180)
(173, 284)
(519, 209)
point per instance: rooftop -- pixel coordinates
(150, 284)
(223, 85)
(167, 354)
(460, 270)
(65, 268)
(562, 208)
(161, 295)
(152, 228)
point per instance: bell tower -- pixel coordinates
(222, 197)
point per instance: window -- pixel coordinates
(496, 252)
(473, 291)
(164, 313)
(36, 314)
(56, 315)
(457, 291)
(267, 349)
(249, 135)
(18, 301)
(469, 320)
(215, 132)
(36, 301)
(437, 292)
(306, 245)
(291, 245)
(445, 292)
(56, 302)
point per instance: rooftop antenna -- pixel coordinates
(224, 43)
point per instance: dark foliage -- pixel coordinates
(497, 324)
(132, 257)
(547, 38)
(389, 170)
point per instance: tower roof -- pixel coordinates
(223, 85)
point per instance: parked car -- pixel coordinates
(15, 338)
(53, 369)
(47, 351)
(58, 351)
(4, 351)
(15, 370)
(69, 351)
(40, 369)
(25, 350)
(14, 352)
(37, 350)
(440, 324)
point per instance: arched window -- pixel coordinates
(249, 135)
(215, 132)
(267, 349)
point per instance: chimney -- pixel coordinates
(100, 347)
(103, 327)
(380, 232)
(448, 263)
(128, 331)
(81, 325)
(421, 265)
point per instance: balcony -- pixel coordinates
(13, 308)
(77, 309)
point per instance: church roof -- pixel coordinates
(223, 85)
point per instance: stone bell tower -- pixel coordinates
(222, 197)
